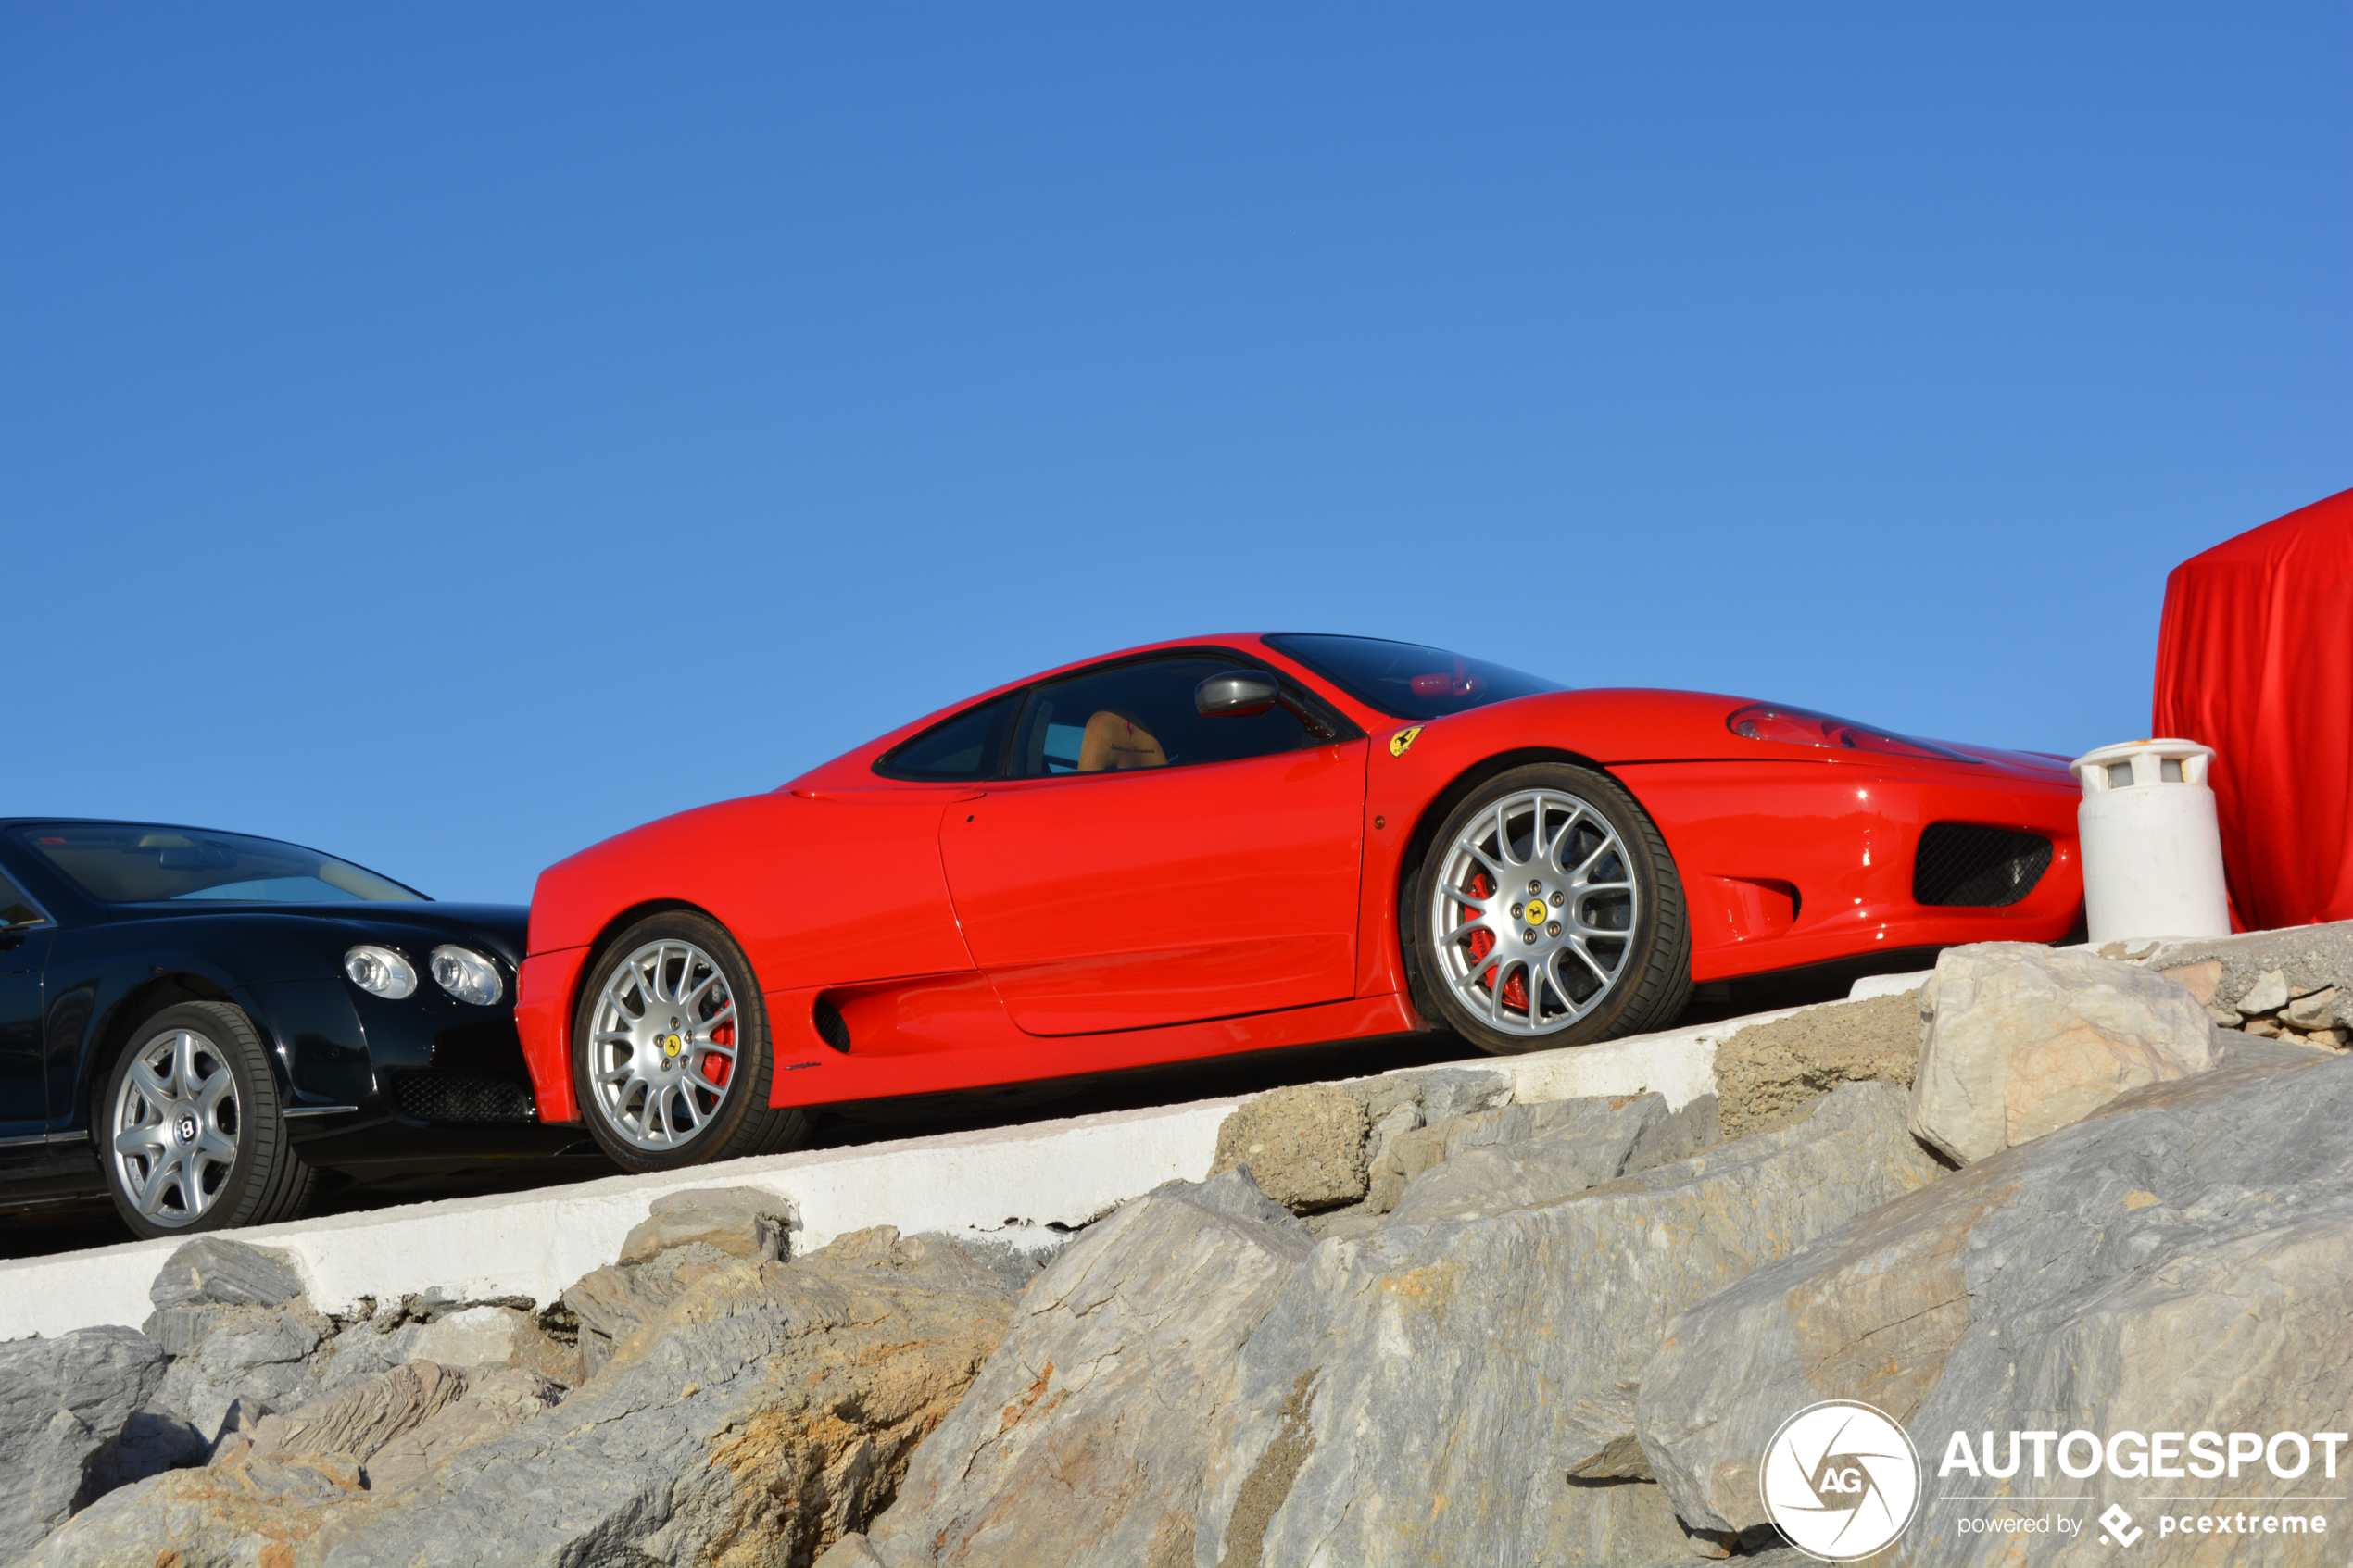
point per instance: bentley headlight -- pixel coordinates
(380, 972)
(467, 975)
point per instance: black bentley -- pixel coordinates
(199, 1025)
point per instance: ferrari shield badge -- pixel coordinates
(1399, 742)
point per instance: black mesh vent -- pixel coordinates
(449, 1097)
(832, 1027)
(1961, 863)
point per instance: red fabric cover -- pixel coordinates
(2255, 659)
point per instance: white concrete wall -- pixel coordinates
(1007, 1182)
(1010, 1182)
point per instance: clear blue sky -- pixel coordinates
(446, 436)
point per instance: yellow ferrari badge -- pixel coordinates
(1402, 739)
(673, 1045)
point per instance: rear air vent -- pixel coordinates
(832, 1028)
(1963, 864)
(454, 1098)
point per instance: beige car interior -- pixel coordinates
(1114, 742)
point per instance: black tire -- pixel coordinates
(264, 1183)
(739, 1122)
(1638, 981)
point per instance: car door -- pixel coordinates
(1145, 865)
(24, 943)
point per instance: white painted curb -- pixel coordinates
(1009, 1182)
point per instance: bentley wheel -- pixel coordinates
(1547, 913)
(195, 1141)
(670, 1056)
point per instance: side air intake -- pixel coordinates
(1965, 865)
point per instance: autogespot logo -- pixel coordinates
(1841, 1480)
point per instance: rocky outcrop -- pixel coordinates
(2296, 984)
(749, 1222)
(1523, 1155)
(770, 1407)
(248, 1513)
(1768, 1073)
(611, 1303)
(2180, 1260)
(1085, 1438)
(63, 1401)
(2022, 1040)
(216, 1271)
(275, 1487)
(1409, 1396)
(1304, 1146)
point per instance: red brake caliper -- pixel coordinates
(1482, 941)
(714, 1066)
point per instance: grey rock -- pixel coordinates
(2022, 1039)
(614, 1302)
(2307, 958)
(248, 1513)
(368, 1349)
(1014, 1264)
(1449, 1092)
(497, 1400)
(150, 1443)
(275, 1486)
(1083, 1439)
(1601, 1444)
(2269, 993)
(215, 1272)
(1304, 1144)
(498, 1337)
(1410, 1394)
(2317, 1011)
(1521, 1154)
(2247, 1050)
(2179, 1260)
(262, 1355)
(1439, 1093)
(359, 1420)
(853, 1551)
(1496, 1164)
(739, 1222)
(770, 1409)
(1386, 1180)
(63, 1401)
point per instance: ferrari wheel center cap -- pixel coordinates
(672, 1045)
(1536, 912)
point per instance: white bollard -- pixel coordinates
(2152, 847)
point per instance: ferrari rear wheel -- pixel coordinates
(1547, 913)
(671, 1056)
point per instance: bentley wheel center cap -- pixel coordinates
(187, 1129)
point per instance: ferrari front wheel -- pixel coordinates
(1547, 913)
(671, 1056)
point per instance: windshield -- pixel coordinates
(1406, 680)
(118, 863)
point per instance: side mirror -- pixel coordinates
(1237, 694)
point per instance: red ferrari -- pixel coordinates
(1247, 842)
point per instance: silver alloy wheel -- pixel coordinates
(176, 1119)
(664, 1016)
(1533, 920)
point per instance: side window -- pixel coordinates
(15, 909)
(1140, 716)
(966, 746)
